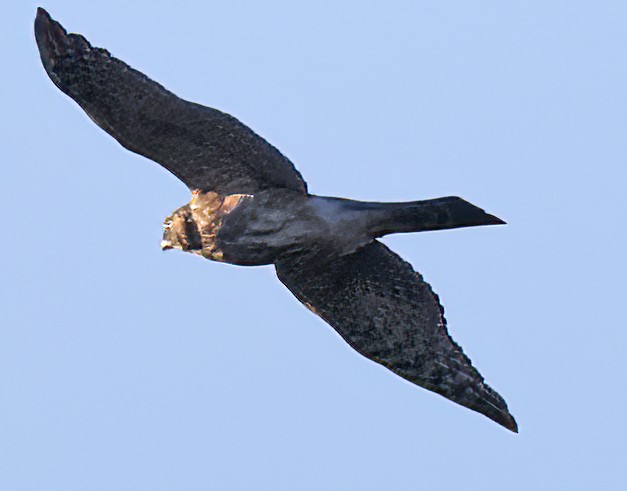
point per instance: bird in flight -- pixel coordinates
(250, 206)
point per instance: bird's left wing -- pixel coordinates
(385, 311)
(205, 148)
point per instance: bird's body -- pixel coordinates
(273, 224)
(250, 206)
(259, 229)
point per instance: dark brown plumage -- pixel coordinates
(250, 206)
(387, 312)
(200, 145)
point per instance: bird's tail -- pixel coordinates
(432, 214)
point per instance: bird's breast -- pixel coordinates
(209, 211)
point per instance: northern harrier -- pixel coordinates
(250, 206)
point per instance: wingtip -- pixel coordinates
(499, 415)
(509, 422)
(42, 12)
(43, 21)
(50, 37)
(491, 404)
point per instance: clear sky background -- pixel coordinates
(126, 368)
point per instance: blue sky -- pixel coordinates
(123, 367)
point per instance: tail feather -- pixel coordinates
(433, 214)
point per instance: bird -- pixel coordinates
(250, 206)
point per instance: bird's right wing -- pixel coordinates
(205, 148)
(389, 314)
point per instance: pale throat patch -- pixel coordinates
(207, 213)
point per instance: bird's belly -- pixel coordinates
(255, 234)
(259, 230)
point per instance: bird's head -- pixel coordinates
(180, 231)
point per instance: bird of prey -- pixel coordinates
(250, 206)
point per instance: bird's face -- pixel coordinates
(180, 231)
